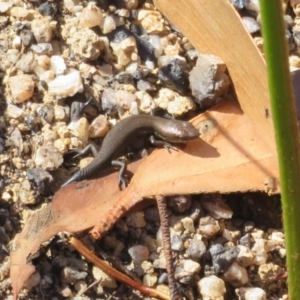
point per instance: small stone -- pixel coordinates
(134, 109)
(16, 43)
(16, 139)
(4, 6)
(46, 113)
(211, 288)
(124, 50)
(44, 62)
(72, 274)
(152, 21)
(85, 43)
(42, 48)
(208, 80)
(188, 224)
(154, 40)
(108, 25)
(183, 276)
(80, 129)
(18, 12)
(99, 127)
(71, 5)
(42, 30)
(122, 12)
(27, 197)
(196, 248)
(208, 227)
(223, 257)
(12, 55)
(27, 37)
(294, 61)
(163, 60)
(192, 54)
(47, 76)
(22, 87)
(105, 280)
(175, 223)
(282, 252)
(257, 234)
(150, 279)
(177, 243)
(48, 158)
(143, 85)
(250, 24)
(174, 76)
(266, 271)
(47, 9)
(160, 262)
(136, 219)
(252, 5)
(259, 252)
(14, 111)
(236, 275)
(240, 4)
(216, 207)
(58, 64)
(146, 103)
(26, 63)
(179, 203)
(41, 178)
(173, 103)
(91, 16)
(251, 293)
(49, 136)
(61, 146)
(65, 291)
(190, 266)
(146, 52)
(80, 285)
(245, 257)
(59, 113)
(66, 85)
(109, 100)
(124, 100)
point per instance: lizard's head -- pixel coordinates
(179, 131)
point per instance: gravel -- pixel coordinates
(54, 57)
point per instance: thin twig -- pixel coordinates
(81, 292)
(165, 229)
(78, 245)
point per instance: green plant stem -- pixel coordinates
(286, 133)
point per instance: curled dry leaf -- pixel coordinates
(228, 157)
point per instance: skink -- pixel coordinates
(120, 136)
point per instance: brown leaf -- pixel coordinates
(228, 157)
(74, 208)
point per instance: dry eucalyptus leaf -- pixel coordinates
(229, 157)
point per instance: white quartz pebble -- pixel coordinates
(211, 288)
(251, 293)
(58, 64)
(66, 85)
